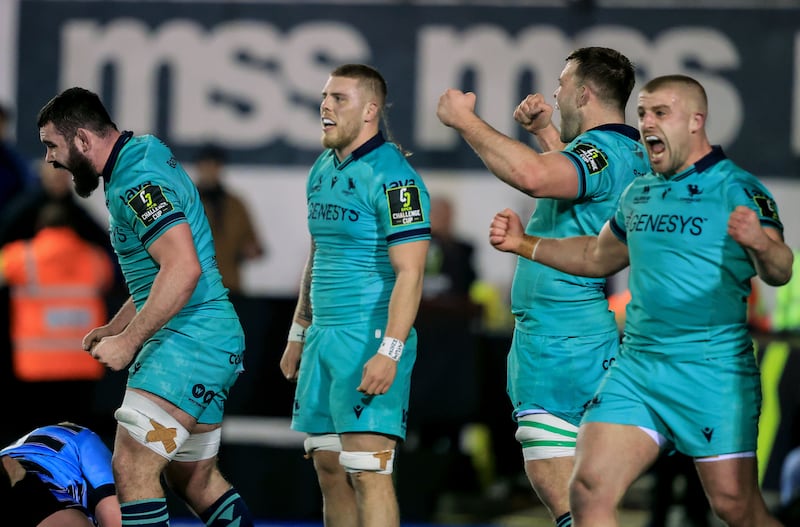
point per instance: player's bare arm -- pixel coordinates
(549, 175)
(771, 257)
(591, 256)
(179, 271)
(408, 261)
(290, 360)
(114, 327)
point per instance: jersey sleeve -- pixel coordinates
(751, 193)
(617, 222)
(95, 460)
(151, 210)
(403, 212)
(591, 163)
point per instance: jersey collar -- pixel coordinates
(704, 163)
(620, 128)
(112, 159)
(371, 144)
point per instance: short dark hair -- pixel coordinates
(76, 108)
(610, 73)
(366, 74)
(376, 84)
(683, 80)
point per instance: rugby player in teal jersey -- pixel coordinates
(694, 231)
(564, 334)
(177, 334)
(370, 231)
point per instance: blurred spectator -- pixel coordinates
(58, 282)
(789, 509)
(449, 270)
(758, 318)
(235, 236)
(18, 219)
(15, 172)
(617, 303)
(786, 316)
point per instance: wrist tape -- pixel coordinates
(297, 333)
(392, 348)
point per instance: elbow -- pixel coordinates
(193, 274)
(190, 276)
(778, 280)
(527, 180)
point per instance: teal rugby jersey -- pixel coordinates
(546, 301)
(357, 209)
(147, 192)
(689, 279)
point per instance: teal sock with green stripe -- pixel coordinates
(145, 513)
(229, 510)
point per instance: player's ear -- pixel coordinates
(370, 111)
(696, 122)
(584, 93)
(83, 140)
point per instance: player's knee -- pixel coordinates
(582, 495)
(150, 425)
(730, 508)
(381, 462)
(545, 436)
(324, 450)
(325, 442)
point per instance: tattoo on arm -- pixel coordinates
(304, 306)
(304, 309)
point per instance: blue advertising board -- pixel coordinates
(247, 75)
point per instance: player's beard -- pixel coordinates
(341, 136)
(570, 125)
(84, 176)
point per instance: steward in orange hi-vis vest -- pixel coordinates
(57, 283)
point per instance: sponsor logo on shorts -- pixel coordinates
(235, 358)
(608, 362)
(707, 433)
(594, 402)
(199, 392)
(359, 408)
